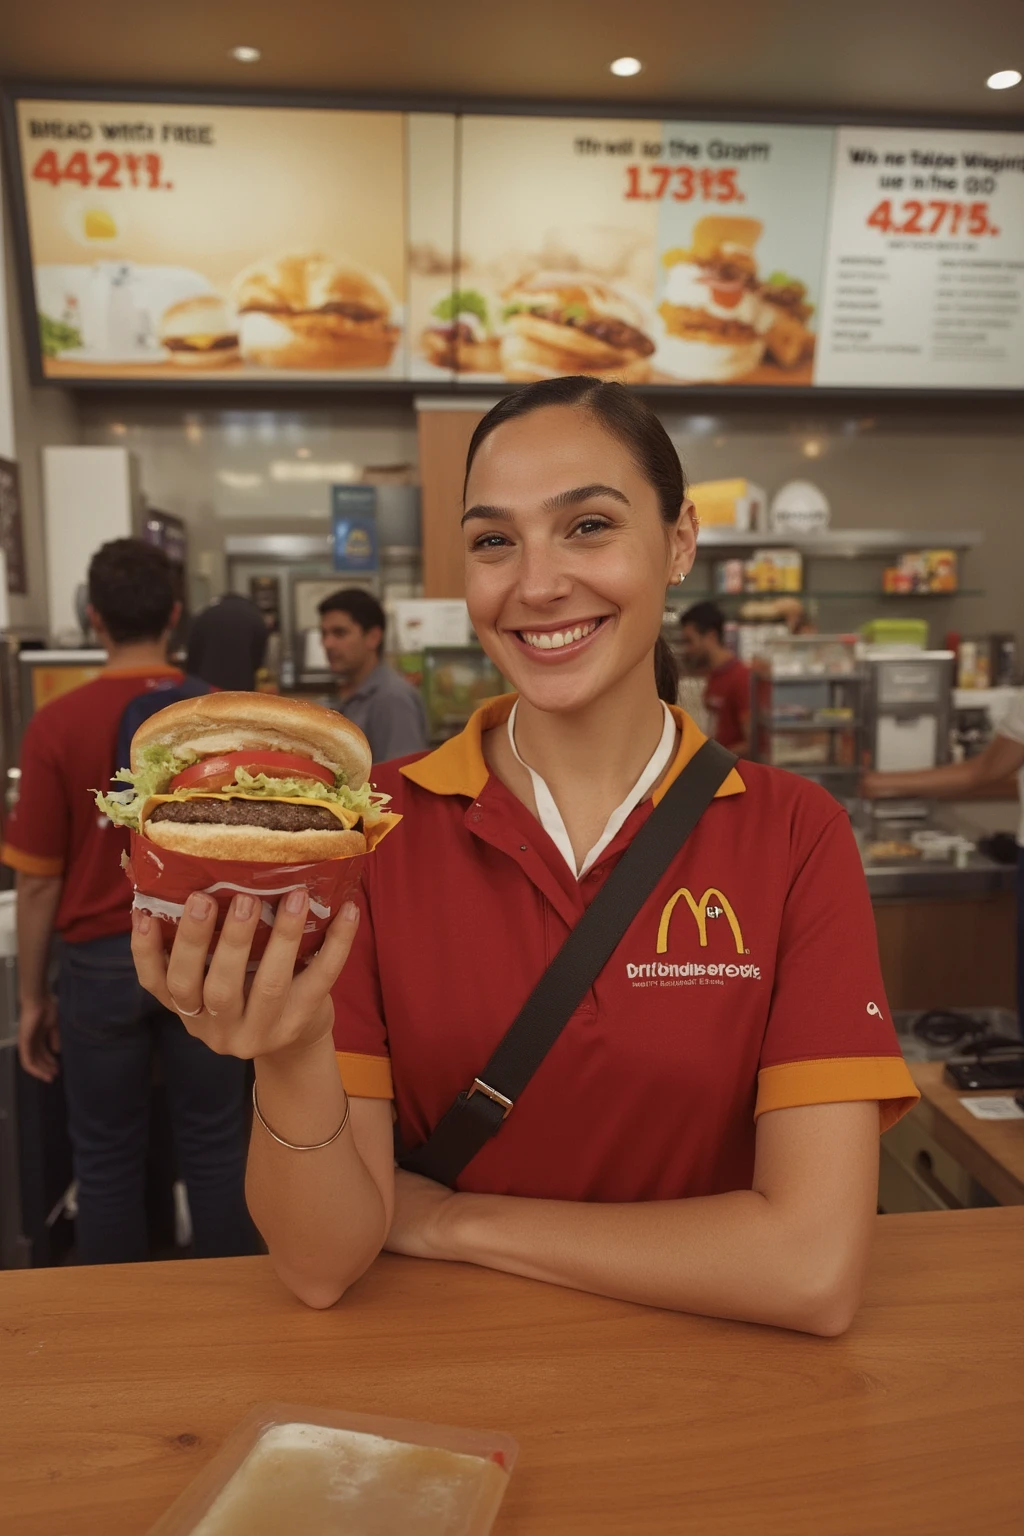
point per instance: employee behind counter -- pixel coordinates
(727, 1166)
(387, 710)
(1003, 755)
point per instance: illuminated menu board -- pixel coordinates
(178, 243)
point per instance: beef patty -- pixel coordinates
(275, 814)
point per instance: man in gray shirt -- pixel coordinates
(371, 694)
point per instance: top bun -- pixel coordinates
(231, 722)
(558, 290)
(300, 282)
(205, 314)
(715, 233)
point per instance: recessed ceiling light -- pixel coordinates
(625, 66)
(1003, 79)
(246, 55)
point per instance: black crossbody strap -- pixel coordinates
(480, 1110)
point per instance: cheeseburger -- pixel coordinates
(309, 310)
(714, 315)
(200, 333)
(567, 322)
(248, 776)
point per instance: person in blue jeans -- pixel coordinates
(102, 1031)
(1003, 755)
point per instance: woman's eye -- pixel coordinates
(591, 525)
(490, 541)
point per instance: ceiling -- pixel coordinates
(884, 57)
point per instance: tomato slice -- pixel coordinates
(212, 773)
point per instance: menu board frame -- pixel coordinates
(459, 109)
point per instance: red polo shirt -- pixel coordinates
(727, 700)
(67, 754)
(749, 982)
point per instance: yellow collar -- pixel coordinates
(458, 767)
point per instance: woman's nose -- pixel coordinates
(542, 577)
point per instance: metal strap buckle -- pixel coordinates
(493, 1094)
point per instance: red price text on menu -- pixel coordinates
(681, 184)
(101, 168)
(937, 217)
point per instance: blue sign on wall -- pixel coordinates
(354, 522)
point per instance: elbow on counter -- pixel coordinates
(827, 1294)
(317, 1293)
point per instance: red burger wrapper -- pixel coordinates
(164, 880)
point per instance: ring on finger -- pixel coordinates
(187, 1013)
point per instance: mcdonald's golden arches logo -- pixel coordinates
(712, 904)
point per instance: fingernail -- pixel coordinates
(350, 912)
(142, 922)
(295, 901)
(243, 908)
(199, 906)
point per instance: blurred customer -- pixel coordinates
(1003, 755)
(727, 679)
(385, 707)
(228, 642)
(69, 880)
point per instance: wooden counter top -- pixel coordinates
(117, 1384)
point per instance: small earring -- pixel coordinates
(680, 578)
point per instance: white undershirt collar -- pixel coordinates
(551, 817)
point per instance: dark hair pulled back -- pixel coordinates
(636, 426)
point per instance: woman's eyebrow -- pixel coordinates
(489, 514)
(571, 498)
(583, 493)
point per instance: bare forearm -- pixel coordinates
(38, 900)
(733, 1255)
(321, 1214)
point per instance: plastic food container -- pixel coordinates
(293, 1471)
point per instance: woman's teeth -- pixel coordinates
(554, 641)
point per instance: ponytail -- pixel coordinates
(666, 672)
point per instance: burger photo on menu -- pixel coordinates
(308, 310)
(570, 322)
(247, 792)
(200, 332)
(460, 336)
(720, 319)
(713, 314)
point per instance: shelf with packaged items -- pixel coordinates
(838, 543)
(862, 594)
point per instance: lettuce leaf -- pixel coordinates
(159, 765)
(462, 301)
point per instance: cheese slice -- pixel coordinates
(347, 818)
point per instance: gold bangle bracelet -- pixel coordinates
(293, 1146)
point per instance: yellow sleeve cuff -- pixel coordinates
(365, 1077)
(29, 863)
(839, 1080)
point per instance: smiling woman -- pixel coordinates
(702, 1131)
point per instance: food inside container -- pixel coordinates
(289, 1471)
(247, 793)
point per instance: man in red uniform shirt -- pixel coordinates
(69, 880)
(727, 685)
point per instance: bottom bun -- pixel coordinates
(712, 362)
(525, 360)
(315, 341)
(256, 845)
(205, 357)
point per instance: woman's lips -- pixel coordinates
(557, 644)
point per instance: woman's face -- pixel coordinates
(567, 557)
